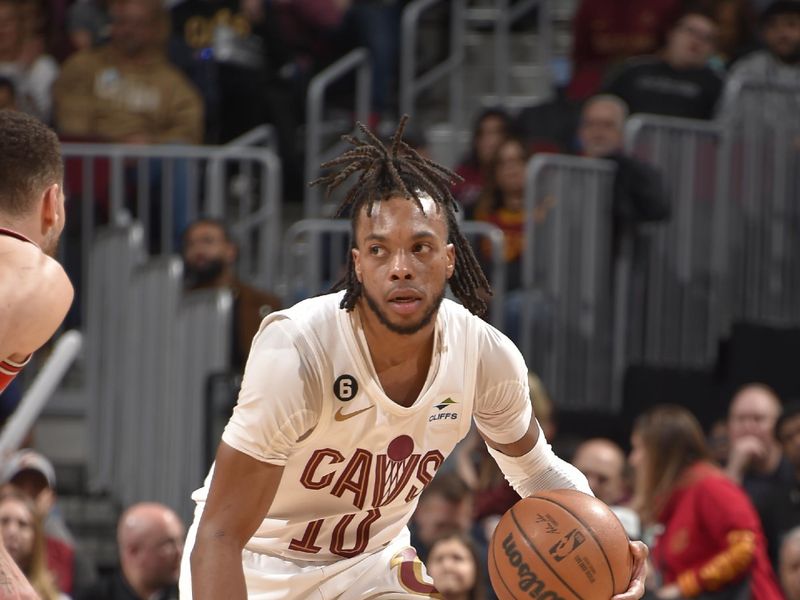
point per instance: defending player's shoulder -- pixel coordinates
(36, 295)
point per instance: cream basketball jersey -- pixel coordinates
(350, 485)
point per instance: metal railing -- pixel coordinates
(676, 323)
(151, 349)
(262, 136)
(759, 222)
(316, 253)
(507, 12)
(317, 129)
(411, 84)
(567, 310)
(114, 255)
(762, 101)
(66, 350)
(166, 187)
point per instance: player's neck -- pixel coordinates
(26, 227)
(388, 348)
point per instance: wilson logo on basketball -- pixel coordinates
(527, 580)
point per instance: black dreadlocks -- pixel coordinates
(393, 171)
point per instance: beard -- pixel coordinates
(50, 245)
(404, 329)
(205, 274)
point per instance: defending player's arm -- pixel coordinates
(277, 405)
(36, 294)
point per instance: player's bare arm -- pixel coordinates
(241, 492)
(36, 294)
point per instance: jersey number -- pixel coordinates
(309, 541)
(345, 387)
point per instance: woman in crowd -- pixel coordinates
(23, 537)
(708, 535)
(502, 203)
(491, 127)
(453, 565)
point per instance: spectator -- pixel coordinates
(776, 65)
(126, 91)
(445, 505)
(605, 33)
(32, 71)
(377, 27)
(23, 537)
(150, 539)
(88, 24)
(780, 510)
(33, 475)
(8, 95)
(755, 459)
(710, 537)
(235, 53)
(502, 203)
(209, 257)
(603, 463)
(639, 191)
(678, 81)
(736, 36)
(717, 440)
(790, 564)
(492, 127)
(454, 565)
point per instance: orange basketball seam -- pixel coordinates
(592, 533)
(542, 558)
(497, 569)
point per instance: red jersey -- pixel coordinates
(712, 537)
(9, 368)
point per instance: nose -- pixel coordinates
(401, 266)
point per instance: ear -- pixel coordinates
(451, 260)
(357, 263)
(51, 210)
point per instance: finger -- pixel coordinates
(634, 592)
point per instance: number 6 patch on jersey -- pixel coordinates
(345, 387)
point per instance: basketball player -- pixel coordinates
(351, 402)
(35, 293)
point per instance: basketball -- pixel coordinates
(559, 545)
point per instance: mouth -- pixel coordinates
(405, 302)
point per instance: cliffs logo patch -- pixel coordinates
(445, 403)
(442, 414)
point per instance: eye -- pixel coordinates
(421, 248)
(377, 251)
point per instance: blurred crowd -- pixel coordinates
(720, 509)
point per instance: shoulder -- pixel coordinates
(749, 65)
(307, 322)
(84, 59)
(320, 310)
(639, 64)
(253, 295)
(499, 359)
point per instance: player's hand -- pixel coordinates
(636, 588)
(743, 454)
(669, 591)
